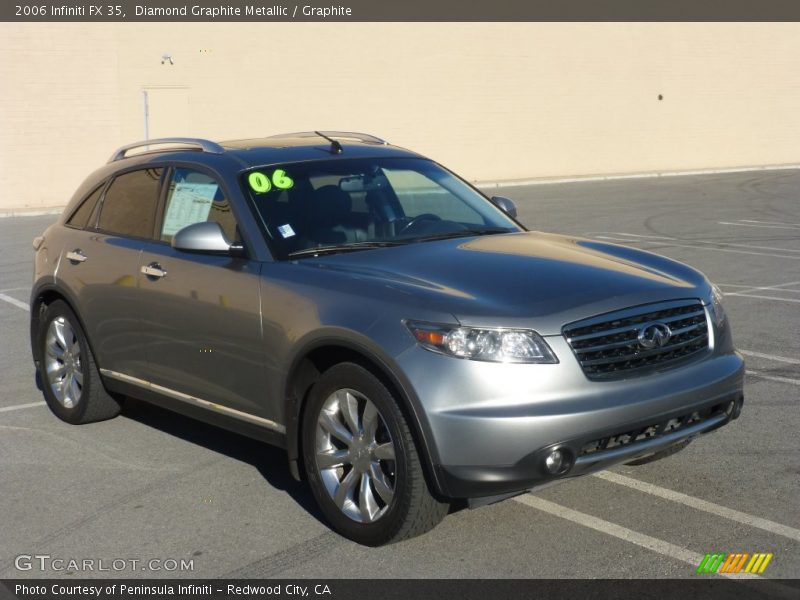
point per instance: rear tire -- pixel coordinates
(70, 378)
(361, 460)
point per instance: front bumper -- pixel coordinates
(528, 473)
(492, 424)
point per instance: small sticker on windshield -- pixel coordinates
(286, 230)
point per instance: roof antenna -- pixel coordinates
(336, 147)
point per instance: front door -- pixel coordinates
(200, 313)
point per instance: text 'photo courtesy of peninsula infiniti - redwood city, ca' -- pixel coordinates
(409, 343)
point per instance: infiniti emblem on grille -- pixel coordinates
(654, 335)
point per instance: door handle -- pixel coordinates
(154, 270)
(76, 256)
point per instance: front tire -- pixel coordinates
(70, 379)
(362, 462)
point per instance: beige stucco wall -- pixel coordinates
(492, 101)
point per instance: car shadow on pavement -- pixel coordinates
(270, 461)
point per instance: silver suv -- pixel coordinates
(406, 340)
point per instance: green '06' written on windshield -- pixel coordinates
(261, 183)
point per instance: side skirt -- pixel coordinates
(233, 420)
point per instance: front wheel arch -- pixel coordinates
(370, 485)
(317, 358)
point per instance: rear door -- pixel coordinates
(100, 265)
(201, 322)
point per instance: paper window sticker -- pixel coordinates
(189, 203)
(286, 231)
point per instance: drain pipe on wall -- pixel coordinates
(146, 107)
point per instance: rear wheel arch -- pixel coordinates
(69, 376)
(43, 298)
(318, 357)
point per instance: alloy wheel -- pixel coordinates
(63, 362)
(355, 456)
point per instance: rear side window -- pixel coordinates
(80, 218)
(129, 207)
(195, 197)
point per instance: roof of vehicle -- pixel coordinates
(289, 147)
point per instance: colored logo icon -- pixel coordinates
(738, 562)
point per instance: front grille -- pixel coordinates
(608, 346)
(649, 432)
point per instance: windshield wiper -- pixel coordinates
(353, 247)
(462, 233)
(356, 246)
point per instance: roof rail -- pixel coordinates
(204, 145)
(344, 135)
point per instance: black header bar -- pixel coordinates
(398, 10)
(706, 587)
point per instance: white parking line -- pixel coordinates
(20, 406)
(15, 302)
(795, 300)
(764, 226)
(761, 288)
(662, 547)
(661, 237)
(695, 247)
(704, 505)
(768, 222)
(783, 359)
(777, 378)
(617, 531)
(745, 288)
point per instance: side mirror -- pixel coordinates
(206, 238)
(506, 205)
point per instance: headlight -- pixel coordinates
(716, 306)
(493, 345)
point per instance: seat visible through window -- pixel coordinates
(331, 220)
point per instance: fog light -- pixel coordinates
(554, 462)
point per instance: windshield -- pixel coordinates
(354, 204)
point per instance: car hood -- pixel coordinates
(528, 279)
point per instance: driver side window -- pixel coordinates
(194, 197)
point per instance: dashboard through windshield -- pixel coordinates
(316, 207)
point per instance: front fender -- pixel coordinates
(302, 373)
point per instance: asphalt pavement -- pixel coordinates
(154, 485)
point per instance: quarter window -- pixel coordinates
(129, 207)
(80, 218)
(195, 197)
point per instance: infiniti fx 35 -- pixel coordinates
(407, 341)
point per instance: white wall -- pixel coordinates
(492, 101)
